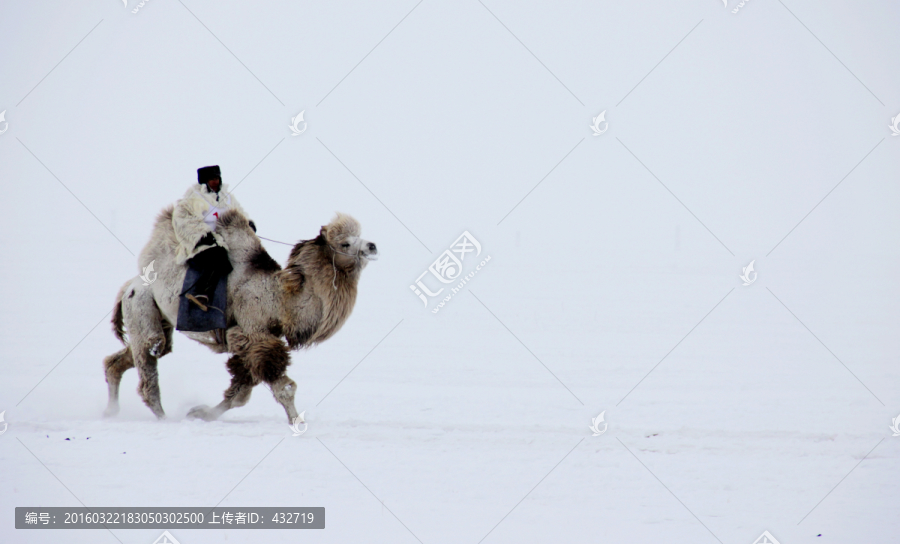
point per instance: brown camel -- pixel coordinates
(270, 310)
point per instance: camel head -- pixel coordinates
(320, 281)
(342, 235)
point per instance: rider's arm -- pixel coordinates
(187, 221)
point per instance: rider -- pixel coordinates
(194, 220)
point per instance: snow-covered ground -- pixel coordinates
(613, 283)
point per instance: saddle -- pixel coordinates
(191, 316)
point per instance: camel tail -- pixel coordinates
(117, 321)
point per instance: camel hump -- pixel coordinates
(242, 243)
(233, 219)
(165, 216)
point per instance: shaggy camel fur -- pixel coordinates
(270, 310)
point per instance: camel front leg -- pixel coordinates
(237, 394)
(284, 389)
(258, 357)
(268, 361)
(265, 357)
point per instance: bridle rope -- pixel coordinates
(333, 266)
(271, 240)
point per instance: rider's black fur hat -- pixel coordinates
(207, 173)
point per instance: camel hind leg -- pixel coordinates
(148, 385)
(150, 338)
(115, 365)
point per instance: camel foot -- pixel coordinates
(112, 410)
(284, 389)
(203, 412)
